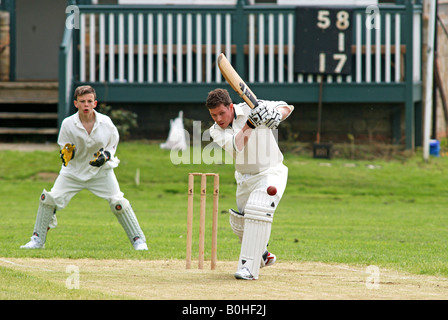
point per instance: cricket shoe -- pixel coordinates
(140, 245)
(268, 259)
(35, 243)
(244, 274)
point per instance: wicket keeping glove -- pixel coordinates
(101, 157)
(258, 115)
(273, 120)
(67, 153)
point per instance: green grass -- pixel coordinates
(393, 215)
(13, 283)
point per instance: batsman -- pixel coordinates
(248, 135)
(88, 141)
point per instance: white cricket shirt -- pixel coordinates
(261, 151)
(104, 135)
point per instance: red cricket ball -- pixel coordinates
(272, 191)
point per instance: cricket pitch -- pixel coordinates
(169, 280)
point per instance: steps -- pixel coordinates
(28, 115)
(28, 111)
(28, 119)
(48, 131)
(29, 92)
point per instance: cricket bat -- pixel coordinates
(235, 81)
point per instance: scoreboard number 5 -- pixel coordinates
(323, 19)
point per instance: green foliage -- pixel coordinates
(124, 120)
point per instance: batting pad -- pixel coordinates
(236, 220)
(258, 216)
(126, 217)
(45, 214)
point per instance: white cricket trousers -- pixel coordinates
(246, 183)
(104, 185)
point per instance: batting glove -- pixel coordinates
(258, 115)
(274, 119)
(101, 157)
(67, 153)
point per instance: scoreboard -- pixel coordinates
(323, 38)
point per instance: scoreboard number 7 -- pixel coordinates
(323, 40)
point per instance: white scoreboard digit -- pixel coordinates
(323, 40)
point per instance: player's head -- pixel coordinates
(220, 106)
(83, 90)
(217, 97)
(85, 99)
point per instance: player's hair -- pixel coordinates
(82, 90)
(218, 97)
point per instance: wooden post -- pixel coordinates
(190, 219)
(202, 221)
(215, 222)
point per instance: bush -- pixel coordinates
(124, 120)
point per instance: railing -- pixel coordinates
(151, 47)
(65, 75)
(168, 54)
(160, 45)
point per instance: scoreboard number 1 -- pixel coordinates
(323, 40)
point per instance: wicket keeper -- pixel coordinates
(248, 135)
(88, 141)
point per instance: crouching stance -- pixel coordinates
(88, 141)
(247, 134)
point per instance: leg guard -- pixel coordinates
(258, 216)
(237, 223)
(45, 215)
(126, 217)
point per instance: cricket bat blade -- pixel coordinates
(234, 80)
